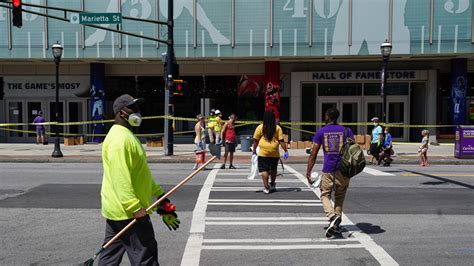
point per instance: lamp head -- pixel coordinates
(386, 49)
(57, 50)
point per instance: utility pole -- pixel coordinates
(170, 60)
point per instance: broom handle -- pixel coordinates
(134, 221)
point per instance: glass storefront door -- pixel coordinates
(349, 110)
(397, 113)
(15, 115)
(33, 108)
(52, 115)
(75, 114)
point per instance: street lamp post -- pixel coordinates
(170, 64)
(57, 50)
(386, 50)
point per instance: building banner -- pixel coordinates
(97, 91)
(272, 87)
(458, 90)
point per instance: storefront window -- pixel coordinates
(344, 89)
(373, 89)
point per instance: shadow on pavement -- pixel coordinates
(367, 228)
(446, 180)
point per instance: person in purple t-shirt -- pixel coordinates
(40, 130)
(331, 138)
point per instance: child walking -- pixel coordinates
(423, 151)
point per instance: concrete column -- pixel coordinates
(431, 102)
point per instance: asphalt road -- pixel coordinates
(49, 214)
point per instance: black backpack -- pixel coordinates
(351, 158)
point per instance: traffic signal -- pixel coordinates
(180, 86)
(17, 14)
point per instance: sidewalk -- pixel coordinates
(91, 153)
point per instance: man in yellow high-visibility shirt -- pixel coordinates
(127, 190)
(218, 127)
(211, 123)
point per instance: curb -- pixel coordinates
(190, 159)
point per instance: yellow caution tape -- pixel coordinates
(239, 123)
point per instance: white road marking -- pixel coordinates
(254, 189)
(293, 218)
(375, 172)
(282, 247)
(245, 180)
(192, 251)
(265, 223)
(235, 174)
(263, 200)
(278, 240)
(375, 250)
(264, 204)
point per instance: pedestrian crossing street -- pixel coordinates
(233, 215)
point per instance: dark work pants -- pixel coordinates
(139, 243)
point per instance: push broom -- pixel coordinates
(215, 151)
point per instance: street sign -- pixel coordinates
(96, 18)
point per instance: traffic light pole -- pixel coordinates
(170, 59)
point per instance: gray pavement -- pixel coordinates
(49, 214)
(405, 153)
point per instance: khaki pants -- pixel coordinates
(327, 186)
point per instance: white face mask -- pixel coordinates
(134, 119)
(376, 124)
(386, 132)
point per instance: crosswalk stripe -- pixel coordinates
(259, 188)
(278, 240)
(367, 242)
(267, 218)
(263, 200)
(282, 247)
(265, 204)
(235, 173)
(375, 172)
(235, 180)
(265, 223)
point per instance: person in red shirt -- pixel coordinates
(228, 136)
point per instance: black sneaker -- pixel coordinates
(231, 167)
(223, 166)
(334, 222)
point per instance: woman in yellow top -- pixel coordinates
(268, 137)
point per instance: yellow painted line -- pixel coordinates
(441, 174)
